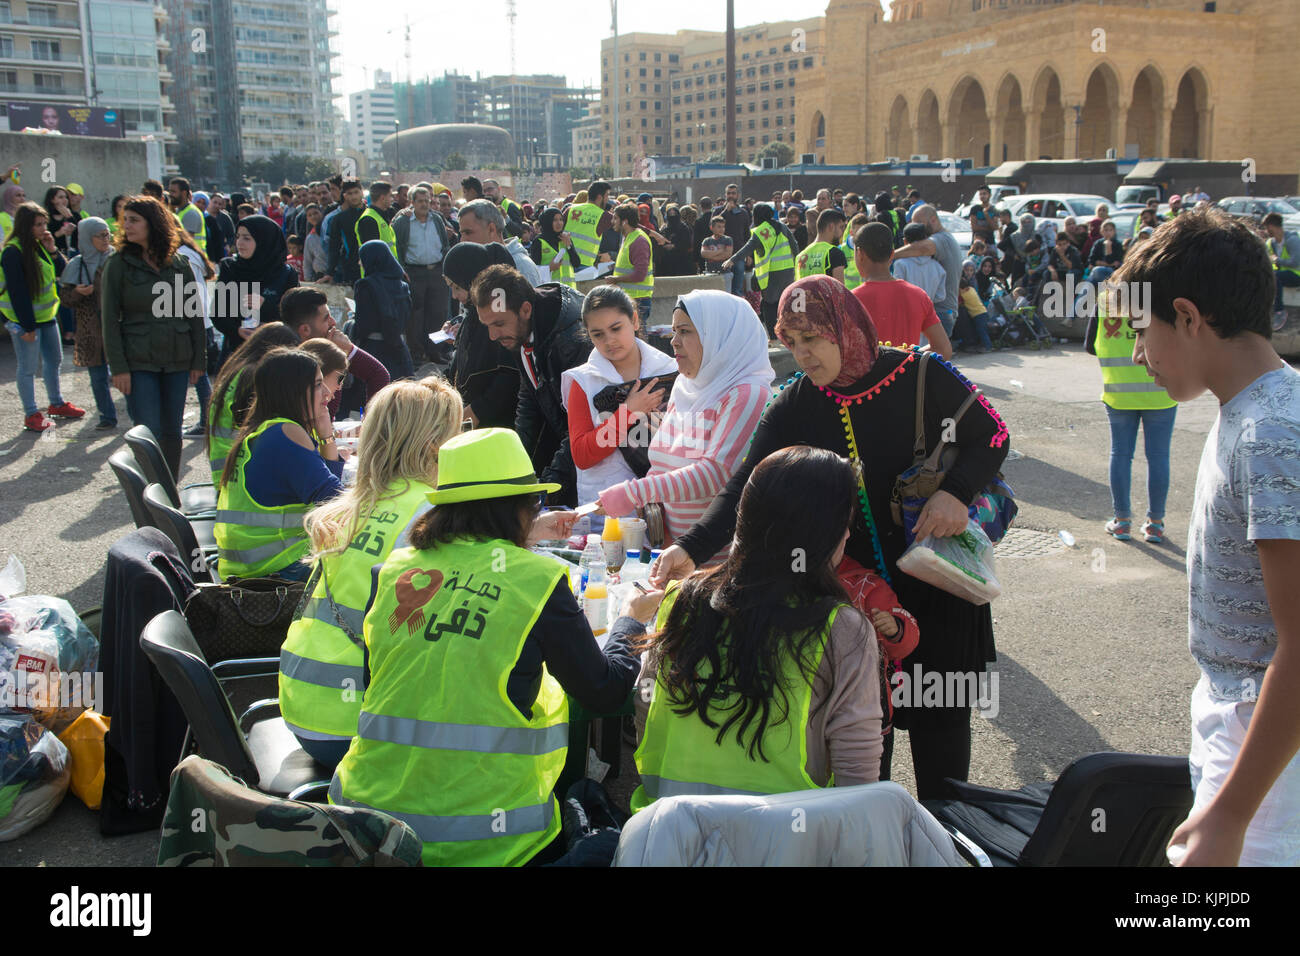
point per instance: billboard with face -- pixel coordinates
(69, 120)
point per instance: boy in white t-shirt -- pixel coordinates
(1208, 327)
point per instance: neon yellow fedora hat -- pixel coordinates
(485, 463)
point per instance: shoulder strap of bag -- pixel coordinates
(918, 445)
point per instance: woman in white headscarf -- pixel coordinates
(79, 291)
(715, 405)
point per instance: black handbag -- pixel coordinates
(243, 617)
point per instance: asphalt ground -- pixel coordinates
(1092, 639)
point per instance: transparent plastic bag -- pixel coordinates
(49, 660)
(13, 579)
(961, 565)
(34, 775)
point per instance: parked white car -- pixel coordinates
(1057, 206)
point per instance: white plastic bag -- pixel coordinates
(34, 775)
(48, 661)
(13, 579)
(961, 565)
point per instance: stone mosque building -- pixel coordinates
(994, 80)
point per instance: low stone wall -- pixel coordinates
(666, 292)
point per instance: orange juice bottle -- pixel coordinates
(594, 600)
(611, 542)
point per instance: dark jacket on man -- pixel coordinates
(559, 343)
(344, 263)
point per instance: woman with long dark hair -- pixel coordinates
(284, 460)
(856, 399)
(29, 304)
(155, 349)
(251, 283)
(232, 392)
(766, 678)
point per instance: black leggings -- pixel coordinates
(940, 748)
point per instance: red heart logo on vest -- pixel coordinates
(412, 597)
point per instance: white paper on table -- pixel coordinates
(437, 338)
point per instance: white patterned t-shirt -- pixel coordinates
(1247, 489)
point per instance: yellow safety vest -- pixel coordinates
(439, 744)
(1278, 250)
(852, 277)
(813, 261)
(7, 225)
(563, 274)
(222, 430)
(201, 237)
(1125, 384)
(680, 754)
(253, 539)
(580, 224)
(623, 266)
(385, 233)
(321, 678)
(45, 303)
(775, 253)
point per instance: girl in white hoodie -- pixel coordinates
(609, 447)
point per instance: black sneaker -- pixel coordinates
(196, 431)
(104, 426)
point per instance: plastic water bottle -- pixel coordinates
(595, 593)
(591, 553)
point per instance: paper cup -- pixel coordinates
(633, 532)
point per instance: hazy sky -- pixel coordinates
(551, 36)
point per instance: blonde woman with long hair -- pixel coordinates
(321, 677)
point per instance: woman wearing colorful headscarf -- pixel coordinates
(725, 380)
(383, 306)
(79, 290)
(856, 399)
(251, 283)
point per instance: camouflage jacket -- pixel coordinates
(213, 819)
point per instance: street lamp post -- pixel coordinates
(397, 145)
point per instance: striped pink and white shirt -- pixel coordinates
(693, 457)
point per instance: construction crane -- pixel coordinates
(511, 14)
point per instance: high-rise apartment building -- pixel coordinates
(278, 95)
(372, 116)
(42, 53)
(586, 143)
(539, 112)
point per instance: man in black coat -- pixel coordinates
(543, 326)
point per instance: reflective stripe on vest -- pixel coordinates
(45, 303)
(679, 754)
(321, 675)
(565, 272)
(454, 611)
(776, 253)
(385, 233)
(254, 539)
(464, 829)
(1126, 386)
(813, 260)
(581, 224)
(623, 267)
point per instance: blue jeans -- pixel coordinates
(1157, 431)
(203, 389)
(157, 399)
(99, 380)
(1284, 280)
(738, 277)
(643, 309)
(47, 349)
(328, 753)
(947, 320)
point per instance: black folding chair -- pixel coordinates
(133, 485)
(198, 500)
(1106, 809)
(181, 530)
(266, 756)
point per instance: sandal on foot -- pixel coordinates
(1121, 529)
(1154, 532)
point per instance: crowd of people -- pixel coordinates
(769, 674)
